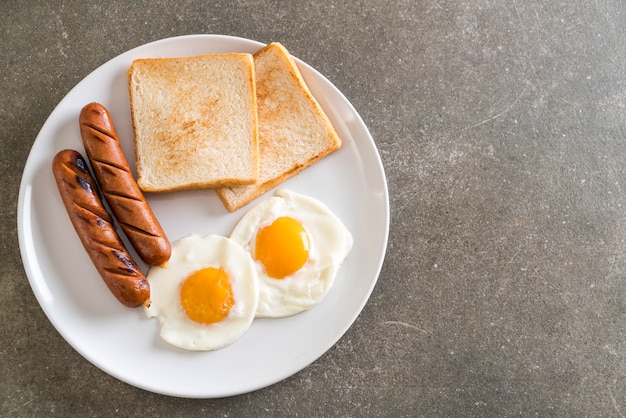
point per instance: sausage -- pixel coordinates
(94, 226)
(118, 186)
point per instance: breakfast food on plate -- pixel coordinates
(294, 131)
(227, 121)
(207, 295)
(94, 226)
(118, 185)
(298, 245)
(195, 121)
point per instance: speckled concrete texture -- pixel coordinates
(501, 127)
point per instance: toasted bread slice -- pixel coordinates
(294, 131)
(195, 121)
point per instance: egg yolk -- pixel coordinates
(282, 247)
(206, 295)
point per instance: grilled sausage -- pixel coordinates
(118, 185)
(94, 226)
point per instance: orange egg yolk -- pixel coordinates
(206, 295)
(282, 247)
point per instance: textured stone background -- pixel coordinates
(501, 126)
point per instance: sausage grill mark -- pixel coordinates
(130, 266)
(84, 184)
(100, 130)
(110, 166)
(88, 214)
(140, 231)
(81, 164)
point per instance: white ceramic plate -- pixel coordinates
(121, 341)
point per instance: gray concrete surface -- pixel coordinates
(501, 126)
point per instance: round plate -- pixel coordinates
(122, 341)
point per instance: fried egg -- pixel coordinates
(206, 297)
(298, 245)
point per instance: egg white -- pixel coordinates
(330, 243)
(190, 254)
